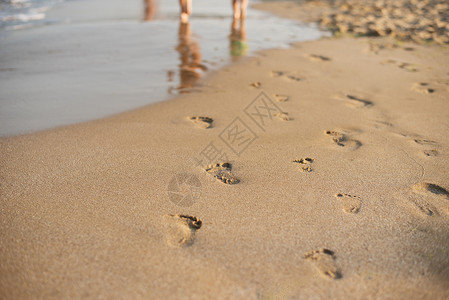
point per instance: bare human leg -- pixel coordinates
(186, 10)
(149, 10)
(243, 6)
(235, 6)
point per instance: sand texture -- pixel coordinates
(420, 21)
(329, 180)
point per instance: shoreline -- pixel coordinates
(329, 196)
(113, 66)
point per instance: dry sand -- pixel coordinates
(421, 21)
(329, 201)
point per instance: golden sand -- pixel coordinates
(336, 199)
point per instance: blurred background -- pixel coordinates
(69, 61)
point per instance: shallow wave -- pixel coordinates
(24, 17)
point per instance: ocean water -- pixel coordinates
(16, 14)
(89, 59)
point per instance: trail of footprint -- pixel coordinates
(428, 144)
(354, 101)
(408, 67)
(431, 152)
(281, 98)
(202, 122)
(342, 140)
(422, 206)
(181, 229)
(277, 73)
(423, 194)
(351, 204)
(428, 147)
(376, 48)
(380, 124)
(292, 77)
(389, 61)
(222, 172)
(324, 261)
(337, 137)
(318, 58)
(305, 164)
(402, 65)
(425, 188)
(423, 88)
(424, 142)
(283, 116)
(286, 75)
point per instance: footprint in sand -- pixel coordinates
(318, 58)
(402, 65)
(408, 67)
(427, 189)
(389, 62)
(222, 172)
(431, 151)
(423, 88)
(181, 229)
(424, 142)
(202, 122)
(256, 84)
(354, 101)
(342, 140)
(281, 98)
(324, 262)
(425, 198)
(282, 116)
(380, 124)
(305, 164)
(276, 74)
(351, 204)
(376, 48)
(422, 206)
(290, 76)
(428, 147)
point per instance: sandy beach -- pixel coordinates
(316, 172)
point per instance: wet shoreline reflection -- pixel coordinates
(238, 45)
(191, 67)
(192, 55)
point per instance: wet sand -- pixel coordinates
(102, 54)
(313, 172)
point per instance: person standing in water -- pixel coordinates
(149, 10)
(239, 7)
(186, 10)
